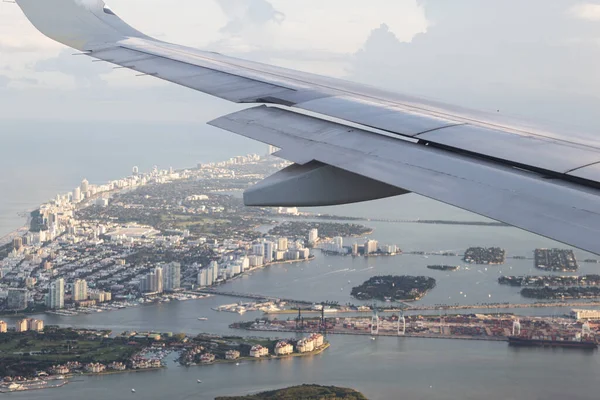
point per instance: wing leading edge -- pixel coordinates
(520, 174)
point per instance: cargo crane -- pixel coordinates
(401, 319)
(299, 320)
(375, 321)
(516, 329)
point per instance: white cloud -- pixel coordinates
(586, 11)
(335, 26)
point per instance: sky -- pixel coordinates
(537, 59)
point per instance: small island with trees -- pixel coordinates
(394, 288)
(444, 267)
(485, 255)
(304, 392)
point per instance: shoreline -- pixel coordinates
(389, 334)
(268, 358)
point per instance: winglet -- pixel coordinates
(80, 24)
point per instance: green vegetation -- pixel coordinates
(394, 288)
(304, 392)
(22, 354)
(300, 229)
(561, 293)
(167, 207)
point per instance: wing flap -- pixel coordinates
(530, 150)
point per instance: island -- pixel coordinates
(304, 392)
(394, 288)
(485, 255)
(558, 260)
(54, 351)
(301, 229)
(444, 267)
(550, 280)
(210, 349)
(561, 293)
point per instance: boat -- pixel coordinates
(372, 338)
(202, 319)
(132, 390)
(530, 342)
(237, 364)
(199, 381)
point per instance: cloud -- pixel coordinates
(527, 59)
(4, 80)
(586, 11)
(82, 69)
(248, 13)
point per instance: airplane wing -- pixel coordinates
(351, 142)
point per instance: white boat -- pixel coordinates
(199, 381)
(132, 390)
(202, 319)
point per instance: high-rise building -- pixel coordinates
(338, 241)
(256, 261)
(245, 263)
(136, 171)
(172, 276)
(371, 247)
(80, 290)
(17, 299)
(258, 249)
(55, 299)
(159, 276)
(35, 325)
(77, 195)
(269, 249)
(17, 243)
(153, 282)
(203, 278)
(22, 325)
(313, 236)
(85, 186)
(3, 327)
(282, 244)
(215, 271)
(210, 276)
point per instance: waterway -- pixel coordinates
(388, 368)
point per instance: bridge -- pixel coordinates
(252, 296)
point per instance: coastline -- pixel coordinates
(268, 358)
(389, 334)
